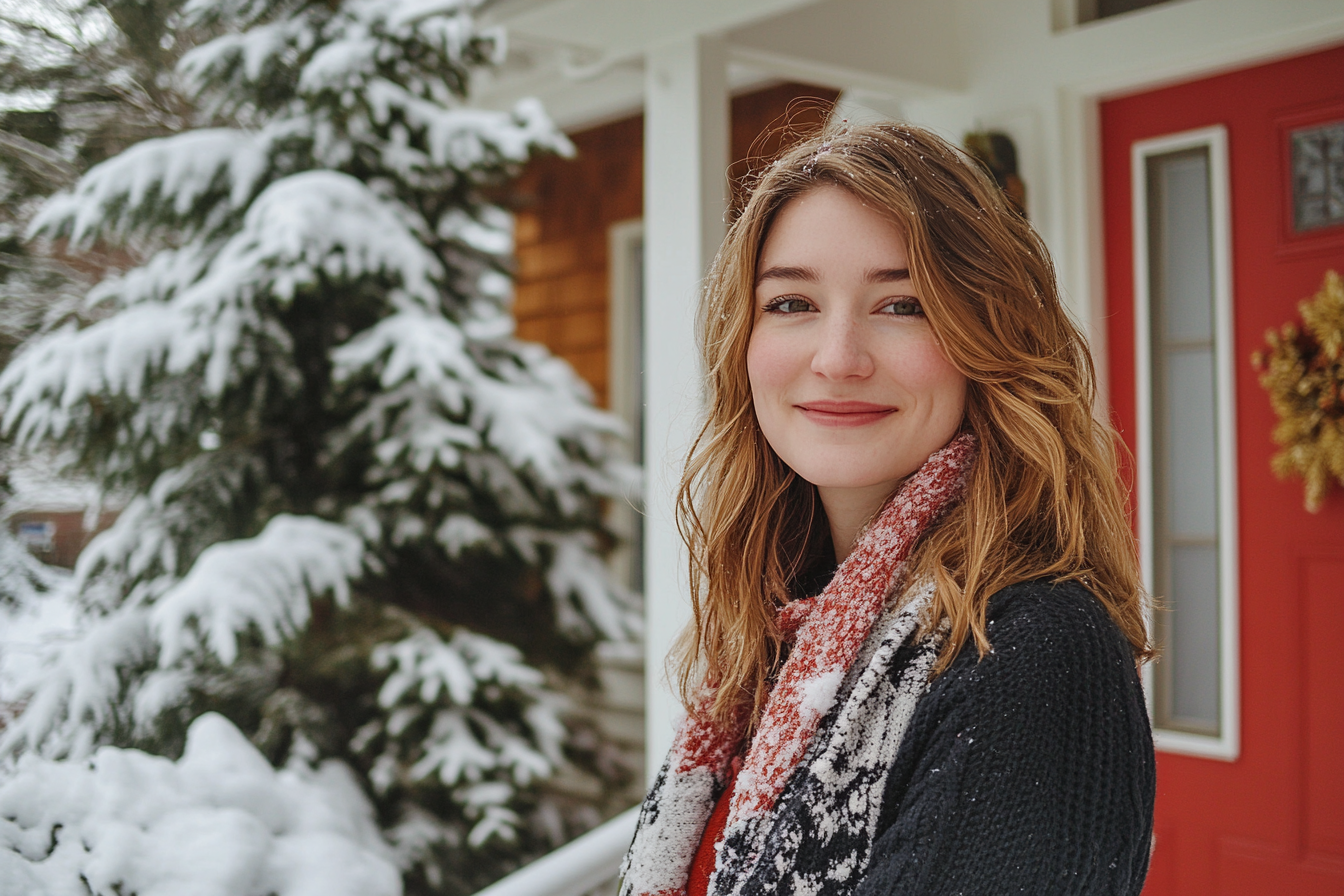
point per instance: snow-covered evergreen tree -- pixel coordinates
(366, 517)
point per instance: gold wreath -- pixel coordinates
(1303, 371)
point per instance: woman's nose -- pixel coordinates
(842, 351)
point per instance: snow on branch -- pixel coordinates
(167, 175)
(528, 426)
(402, 13)
(102, 677)
(441, 724)
(466, 139)
(581, 583)
(426, 348)
(166, 273)
(138, 548)
(527, 413)
(220, 820)
(341, 64)
(322, 223)
(423, 662)
(76, 690)
(311, 225)
(242, 13)
(250, 53)
(266, 582)
(489, 231)
(578, 573)
(156, 535)
(23, 577)
(48, 384)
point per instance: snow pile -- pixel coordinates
(220, 821)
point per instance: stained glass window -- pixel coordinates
(1318, 176)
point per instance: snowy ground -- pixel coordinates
(220, 821)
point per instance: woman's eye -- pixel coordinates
(903, 307)
(788, 305)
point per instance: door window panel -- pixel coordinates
(1318, 176)
(1187, 501)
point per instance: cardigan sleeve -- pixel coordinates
(1028, 771)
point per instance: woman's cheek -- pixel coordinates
(923, 366)
(769, 363)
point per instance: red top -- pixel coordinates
(702, 866)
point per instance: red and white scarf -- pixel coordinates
(827, 633)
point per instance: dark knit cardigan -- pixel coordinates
(1029, 770)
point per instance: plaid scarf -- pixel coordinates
(827, 634)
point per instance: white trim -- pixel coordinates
(1228, 744)
(1205, 61)
(686, 139)
(578, 867)
(1063, 15)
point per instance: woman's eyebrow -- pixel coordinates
(789, 272)
(888, 275)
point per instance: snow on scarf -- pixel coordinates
(827, 634)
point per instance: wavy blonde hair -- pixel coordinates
(1044, 498)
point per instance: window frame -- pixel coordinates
(1227, 744)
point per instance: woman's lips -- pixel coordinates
(845, 413)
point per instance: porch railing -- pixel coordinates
(575, 868)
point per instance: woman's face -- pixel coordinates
(850, 387)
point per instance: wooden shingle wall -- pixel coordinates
(567, 207)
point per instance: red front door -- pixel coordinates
(1262, 809)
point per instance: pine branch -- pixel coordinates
(44, 163)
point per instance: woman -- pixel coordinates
(896, 394)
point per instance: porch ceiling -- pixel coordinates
(584, 58)
(893, 46)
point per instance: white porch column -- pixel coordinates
(685, 183)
